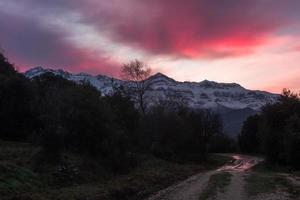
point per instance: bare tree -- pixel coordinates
(137, 73)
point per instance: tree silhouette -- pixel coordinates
(137, 73)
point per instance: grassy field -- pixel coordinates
(20, 179)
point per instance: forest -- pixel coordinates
(58, 115)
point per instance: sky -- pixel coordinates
(255, 43)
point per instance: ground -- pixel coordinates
(20, 179)
(241, 178)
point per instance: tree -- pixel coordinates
(204, 125)
(137, 73)
(125, 113)
(6, 68)
(180, 135)
(16, 119)
(222, 143)
(275, 131)
(249, 139)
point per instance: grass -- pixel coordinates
(217, 183)
(17, 153)
(272, 168)
(264, 167)
(259, 183)
(19, 180)
(268, 182)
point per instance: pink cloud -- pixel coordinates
(195, 28)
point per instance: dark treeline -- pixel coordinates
(275, 132)
(59, 115)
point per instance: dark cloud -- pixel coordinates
(29, 43)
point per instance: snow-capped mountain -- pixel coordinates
(233, 102)
(204, 94)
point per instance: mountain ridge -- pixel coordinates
(203, 94)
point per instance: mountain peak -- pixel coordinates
(161, 76)
(158, 74)
(35, 71)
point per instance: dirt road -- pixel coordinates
(192, 188)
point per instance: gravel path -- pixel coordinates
(186, 190)
(235, 191)
(191, 188)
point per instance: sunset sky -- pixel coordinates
(255, 43)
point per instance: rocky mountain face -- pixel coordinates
(233, 102)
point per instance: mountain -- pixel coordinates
(232, 101)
